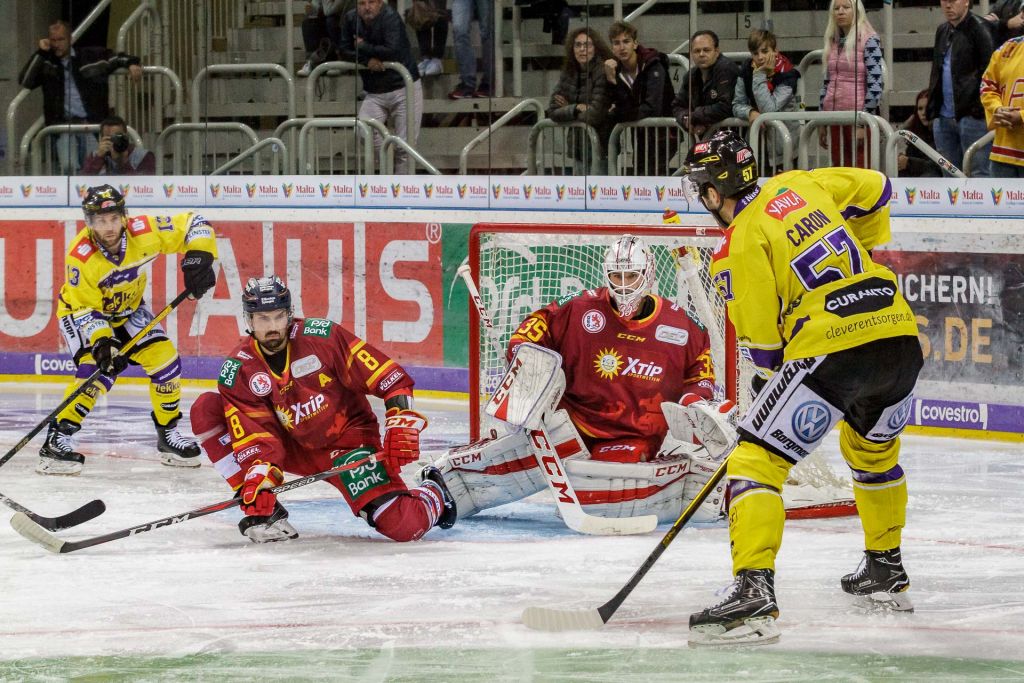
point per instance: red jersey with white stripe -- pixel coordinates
(318, 403)
(618, 372)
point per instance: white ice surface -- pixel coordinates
(441, 608)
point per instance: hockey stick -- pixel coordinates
(91, 510)
(40, 536)
(92, 378)
(551, 619)
(550, 465)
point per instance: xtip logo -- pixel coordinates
(214, 191)
(287, 189)
(626, 189)
(26, 191)
(250, 189)
(911, 193)
(953, 193)
(325, 190)
(997, 195)
(168, 190)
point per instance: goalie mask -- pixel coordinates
(268, 293)
(629, 273)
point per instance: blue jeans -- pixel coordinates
(1003, 170)
(465, 57)
(953, 138)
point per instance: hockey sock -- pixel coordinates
(85, 401)
(879, 487)
(756, 512)
(163, 366)
(404, 518)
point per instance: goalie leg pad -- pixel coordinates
(661, 488)
(503, 469)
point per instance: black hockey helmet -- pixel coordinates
(725, 161)
(102, 199)
(267, 293)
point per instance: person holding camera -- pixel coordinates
(116, 155)
(74, 83)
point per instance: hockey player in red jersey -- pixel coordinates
(627, 353)
(292, 398)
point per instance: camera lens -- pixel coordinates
(120, 142)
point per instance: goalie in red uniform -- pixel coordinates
(292, 398)
(639, 387)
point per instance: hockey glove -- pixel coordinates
(108, 359)
(711, 422)
(402, 435)
(197, 269)
(257, 498)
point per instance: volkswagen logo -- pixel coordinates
(810, 421)
(899, 417)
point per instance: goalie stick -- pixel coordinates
(550, 465)
(552, 619)
(38, 535)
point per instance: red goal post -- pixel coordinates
(520, 268)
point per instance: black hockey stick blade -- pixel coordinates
(552, 619)
(90, 510)
(34, 532)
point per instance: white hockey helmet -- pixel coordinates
(632, 262)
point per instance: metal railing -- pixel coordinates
(398, 67)
(515, 111)
(141, 35)
(877, 128)
(309, 163)
(196, 129)
(633, 141)
(280, 154)
(942, 162)
(265, 69)
(979, 144)
(579, 150)
(33, 146)
(387, 156)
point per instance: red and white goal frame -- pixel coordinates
(520, 268)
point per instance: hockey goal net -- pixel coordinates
(521, 268)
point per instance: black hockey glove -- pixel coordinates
(107, 356)
(197, 268)
(757, 383)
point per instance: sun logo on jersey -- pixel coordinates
(607, 363)
(284, 417)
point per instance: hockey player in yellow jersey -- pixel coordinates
(101, 306)
(833, 341)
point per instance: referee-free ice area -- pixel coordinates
(199, 601)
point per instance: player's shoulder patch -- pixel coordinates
(139, 225)
(784, 203)
(317, 327)
(83, 249)
(229, 372)
(566, 298)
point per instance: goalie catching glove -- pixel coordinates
(257, 498)
(402, 429)
(708, 423)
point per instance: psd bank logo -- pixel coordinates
(811, 421)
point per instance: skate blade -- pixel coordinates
(755, 631)
(172, 461)
(59, 472)
(886, 602)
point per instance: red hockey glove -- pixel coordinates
(257, 498)
(402, 435)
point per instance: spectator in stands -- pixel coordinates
(911, 161)
(372, 34)
(963, 47)
(853, 79)
(582, 90)
(463, 12)
(1001, 97)
(1006, 19)
(705, 96)
(74, 82)
(116, 155)
(429, 19)
(766, 83)
(321, 31)
(640, 89)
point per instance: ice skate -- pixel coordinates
(746, 616)
(881, 581)
(175, 449)
(268, 529)
(430, 476)
(57, 456)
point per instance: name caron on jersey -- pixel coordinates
(807, 227)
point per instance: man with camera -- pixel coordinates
(116, 155)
